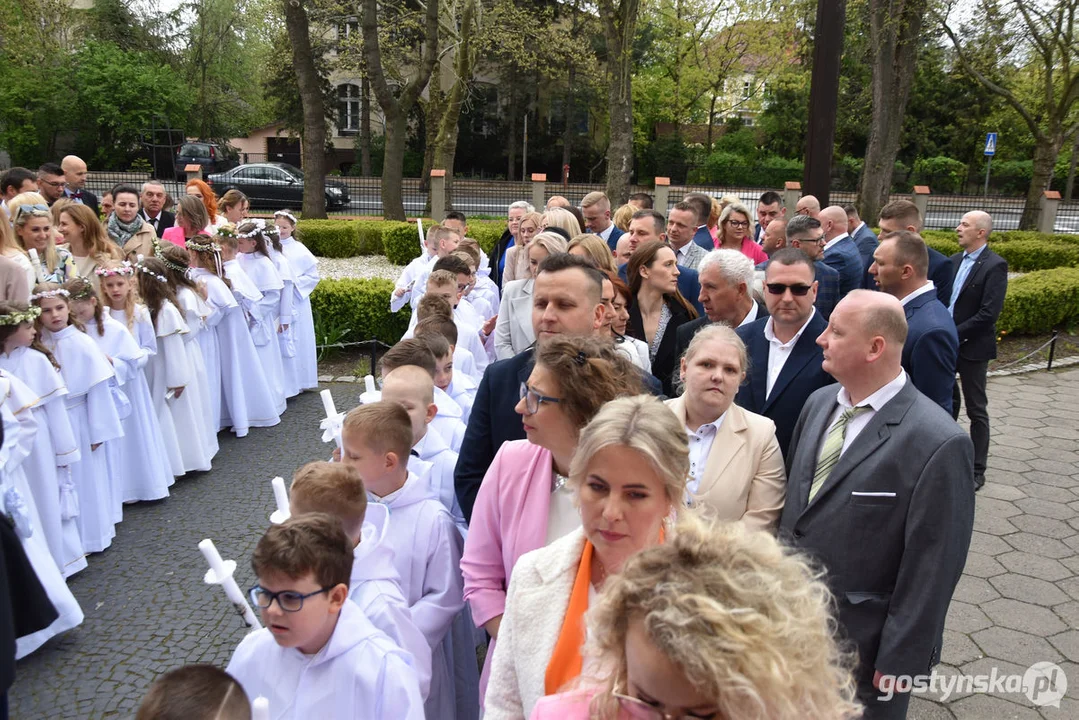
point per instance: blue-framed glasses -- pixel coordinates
(287, 600)
(533, 399)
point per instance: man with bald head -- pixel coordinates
(980, 280)
(808, 205)
(75, 182)
(880, 492)
(557, 201)
(840, 252)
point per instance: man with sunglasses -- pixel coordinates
(51, 182)
(804, 233)
(784, 358)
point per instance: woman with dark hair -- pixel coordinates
(131, 233)
(658, 309)
(636, 350)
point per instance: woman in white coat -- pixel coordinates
(513, 329)
(629, 477)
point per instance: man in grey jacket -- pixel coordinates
(881, 493)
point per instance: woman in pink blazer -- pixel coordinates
(524, 502)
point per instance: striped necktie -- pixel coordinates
(833, 448)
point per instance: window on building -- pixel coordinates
(348, 108)
(747, 89)
(349, 28)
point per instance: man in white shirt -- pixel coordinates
(596, 209)
(153, 211)
(881, 494)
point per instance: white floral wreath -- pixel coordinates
(124, 269)
(21, 316)
(59, 292)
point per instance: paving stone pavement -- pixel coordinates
(147, 609)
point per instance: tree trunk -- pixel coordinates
(393, 206)
(1045, 156)
(365, 127)
(711, 124)
(313, 142)
(619, 26)
(1071, 170)
(823, 95)
(894, 30)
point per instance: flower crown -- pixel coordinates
(209, 246)
(174, 266)
(258, 229)
(226, 231)
(59, 292)
(124, 269)
(142, 268)
(84, 292)
(21, 316)
(287, 214)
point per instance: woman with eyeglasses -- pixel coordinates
(32, 221)
(628, 482)
(524, 502)
(718, 623)
(734, 233)
(736, 468)
(658, 308)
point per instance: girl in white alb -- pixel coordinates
(255, 260)
(17, 503)
(94, 417)
(305, 278)
(48, 468)
(174, 384)
(246, 400)
(285, 341)
(140, 456)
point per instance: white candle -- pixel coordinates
(209, 551)
(327, 403)
(423, 240)
(280, 495)
(369, 383)
(260, 709)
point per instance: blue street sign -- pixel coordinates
(990, 143)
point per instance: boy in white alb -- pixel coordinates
(440, 337)
(336, 489)
(448, 417)
(402, 289)
(483, 286)
(413, 389)
(435, 307)
(447, 285)
(317, 655)
(376, 440)
(442, 241)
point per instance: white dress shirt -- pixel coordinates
(606, 233)
(875, 401)
(779, 351)
(750, 316)
(928, 287)
(700, 444)
(828, 245)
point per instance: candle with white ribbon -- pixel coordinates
(220, 573)
(260, 709)
(280, 495)
(39, 273)
(370, 393)
(423, 240)
(331, 424)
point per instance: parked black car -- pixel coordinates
(213, 158)
(274, 185)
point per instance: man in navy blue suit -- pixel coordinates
(840, 252)
(900, 268)
(596, 209)
(866, 241)
(769, 209)
(784, 358)
(804, 233)
(647, 225)
(903, 215)
(703, 205)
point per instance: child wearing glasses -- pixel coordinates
(377, 440)
(448, 420)
(317, 655)
(337, 489)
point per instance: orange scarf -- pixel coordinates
(566, 662)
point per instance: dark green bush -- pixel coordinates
(486, 233)
(1041, 301)
(329, 238)
(362, 306)
(1025, 251)
(400, 242)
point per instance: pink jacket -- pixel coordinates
(174, 235)
(508, 520)
(572, 705)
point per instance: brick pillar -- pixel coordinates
(438, 195)
(539, 190)
(661, 194)
(792, 193)
(920, 197)
(193, 171)
(1047, 217)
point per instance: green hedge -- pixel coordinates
(398, 241)
(1025, 251)
(1040, 301)
(362, 306)
(401, 242)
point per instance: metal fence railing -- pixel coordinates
(945, 211)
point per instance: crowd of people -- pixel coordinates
(127, 342)
(645, 466)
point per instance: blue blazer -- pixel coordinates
(847, 261)
(612, 240)
(827, 288)
(689, 284)
(942, 273)
(800, 377)
(866, 241)
(932, 349)
(704, 238)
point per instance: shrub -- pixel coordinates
(941, 240)
(329, 238)
(362, 306)
(370, 234)
(1041, 301)
(486, 233)
(400, 242)
(942, 174)
(1025, 251)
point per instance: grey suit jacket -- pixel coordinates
(694, 254)
(892, 559)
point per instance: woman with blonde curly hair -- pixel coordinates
(718, 622)
(628, 480)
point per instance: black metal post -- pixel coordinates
(823, 98)
(1052, 349)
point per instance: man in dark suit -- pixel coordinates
(726, 278)
(866, 241)
(980, 282)
(903, 215)
(567, 299)
(703, 205)
(880, 492)
(75, 183)
(900, 268)
(840, 252)
(596, 209)
(51, 182)
(804, 233)
(153, 211)
(769, 208)
(784, 359)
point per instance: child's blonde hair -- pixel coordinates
(383, 427)
(333, 488)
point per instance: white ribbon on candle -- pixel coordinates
(331, 424)
(280, 495)
(39, 273)
(220, 573)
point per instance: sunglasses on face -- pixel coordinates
(780, 288)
